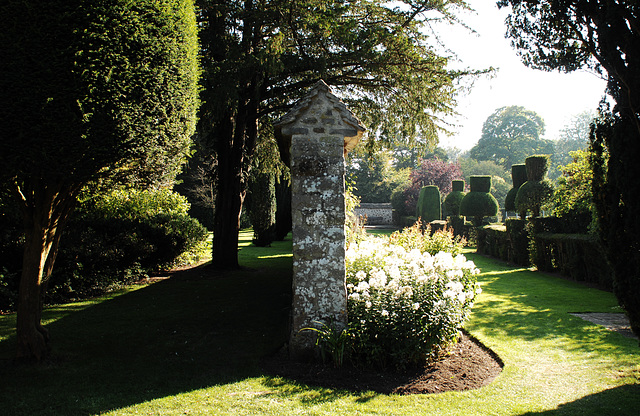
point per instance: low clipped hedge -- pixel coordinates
(492, 240)
(578, 256)
(550, 245)
(518, 239)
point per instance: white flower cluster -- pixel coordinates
(376, 264)
(406, 302)
(402, 296)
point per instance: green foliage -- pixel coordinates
(573, 195)
(354, 227)
(399, 314)
(398, 201)
(457, 185)
(90, 90)
(532, 195)
(537, 191)
(573, 136)
(577, 256)
(454, 198)
(491, 240)
(480, 183)
(509, 135)
(479, 203)
(519, 176)
(260, 57)
(428, 208)
(537, 166)
(452, 203)
(97, 88)
(121, 237)
(417, 237)
(262, 207)
(615, 148)
(567, 36)
(500, 178)
(518, 241)
(374, 175)
(332, 341)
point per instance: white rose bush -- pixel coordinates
(406, 299)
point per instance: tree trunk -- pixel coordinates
(45, 208)
(227, 217)
(33, 338)
(235, 143)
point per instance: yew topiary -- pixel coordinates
(519, 176)
(479, 203)
(536, 190)
(454, 198)
(428, 208)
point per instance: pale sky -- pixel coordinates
(556, 97)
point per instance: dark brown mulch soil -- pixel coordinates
(469, 365)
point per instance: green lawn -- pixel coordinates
(192, 346)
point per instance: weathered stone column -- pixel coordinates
(314, 138)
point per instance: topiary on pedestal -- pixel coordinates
(428, 207)
(519, 176)
(479, 203)
(454, 198)
(536, 190)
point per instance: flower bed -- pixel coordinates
(406, 303)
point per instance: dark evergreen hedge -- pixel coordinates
(428, 208)
(453, 200)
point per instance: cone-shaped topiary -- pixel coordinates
(454, 198)
(429, 204)
(479, 203)
(519, 176)
(536, 190)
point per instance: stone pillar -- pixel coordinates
(314, 138)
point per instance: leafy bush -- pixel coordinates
(518, 176)
(574, 196)
(532, 195)
(262, 207)
(536, 191)
(428, 208)
(518, 241)
(430, 172)
(398, 200)
(479, 203)
(424, 241)
(122, 236)
(406, 305)
(492, 240)
(453, 200)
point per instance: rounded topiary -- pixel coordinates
(428, 208)
(532, 195)
(454, 198)
(479, 203)
(536, 190)
(519, 176)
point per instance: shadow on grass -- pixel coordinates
(530, 306)
(197, 329)
(619, 401)
(312, 394)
